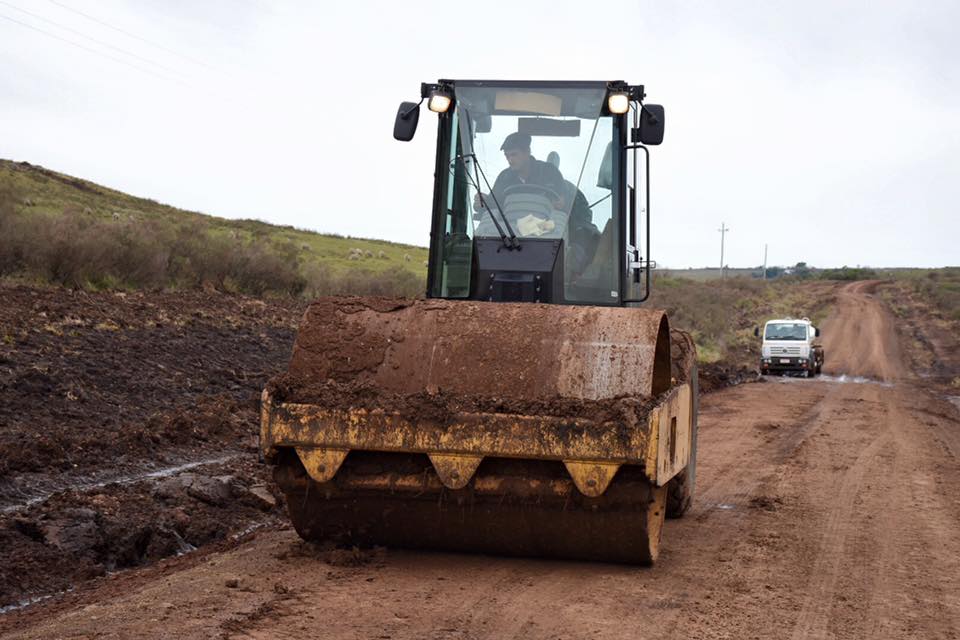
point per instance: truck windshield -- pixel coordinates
(786, 331)
(537, 163)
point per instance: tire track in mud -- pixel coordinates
(812, 620)
(872, 539)
(735, 480)
(922, 528)
(84, 485)
(859, 339)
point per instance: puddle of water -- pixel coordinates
(725, 506)
(845, 379)
(253, 527)
(29, 602)
(955, 400)
(841, 379)
(126, 479)
(183, 547)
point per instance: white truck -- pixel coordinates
(788, 346)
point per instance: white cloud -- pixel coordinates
(828, 130)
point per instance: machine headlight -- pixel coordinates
(618, 103)
(439, 102)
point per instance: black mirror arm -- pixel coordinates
(653, 118)
(409, 112)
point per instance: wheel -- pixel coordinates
(510, 507)
(680, 489)
(809, 373)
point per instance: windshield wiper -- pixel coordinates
(509, 238)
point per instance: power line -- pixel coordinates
(91, 38)
(129, 35)
(94, 51)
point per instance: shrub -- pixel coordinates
(77, 250)
(848, 273)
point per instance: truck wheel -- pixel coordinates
(809, 373)
(681, 486)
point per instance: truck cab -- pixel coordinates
(788, 346)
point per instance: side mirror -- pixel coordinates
(408, 115)
(756, 332)
(816, 333)
(651, 124)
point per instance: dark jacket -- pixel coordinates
(541, 173)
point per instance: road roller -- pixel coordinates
(529, 404)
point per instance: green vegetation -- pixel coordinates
(940, 288)
(59, 229)
(799, 271)
(848, 273)
(721, 314)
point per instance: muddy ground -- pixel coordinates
(128, 426)
(825, 509)
(103, 399)
(83, 375)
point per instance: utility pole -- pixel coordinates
(764, 261)
(723, 232)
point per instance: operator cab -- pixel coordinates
(535, 197)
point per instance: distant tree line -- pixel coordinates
(803, 271)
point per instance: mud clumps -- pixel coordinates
(100, 387)
(131, 374)
(514, 350)
(75, 536)
(341, 350)
(430, 360)
(766, 503)
(338, 555)
(715, 376)
(440, 407)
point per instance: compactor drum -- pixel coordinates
(527, 406)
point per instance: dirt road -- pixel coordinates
(826, 508)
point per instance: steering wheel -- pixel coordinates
(536, 189)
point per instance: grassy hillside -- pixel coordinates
(44, 208)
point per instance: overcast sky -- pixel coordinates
(830, 131)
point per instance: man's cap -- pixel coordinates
(516, 140)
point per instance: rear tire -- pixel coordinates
(681, 487)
